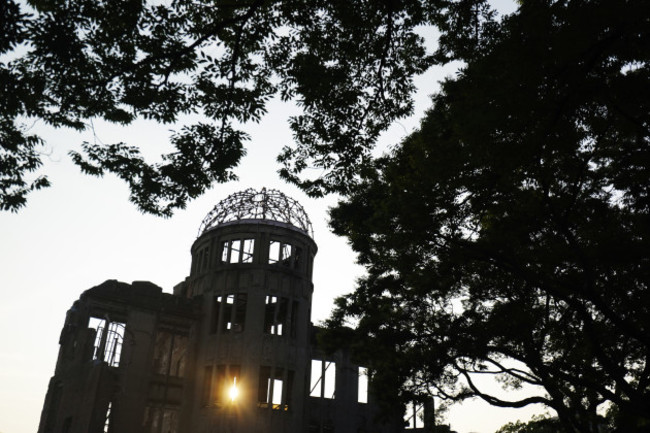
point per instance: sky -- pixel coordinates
(83, 231)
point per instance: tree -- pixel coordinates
(348, 63)
(538, 424)
(509, 235)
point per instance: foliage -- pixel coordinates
(538, 424)
(509, 236)
(347, 63)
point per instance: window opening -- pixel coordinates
(274, 252)
(276, 312)
(363, 385)
(232, 311)
(263, 386)
(107, 423)
(169, 354)
(233, 390)
(323, 379)
(275, 390)
(216, 309)
(232, 385)
(247, 251)
(225, 248)
(316, 377)
(225, 385)
(109, 337)
(235, 250)
(286, 255)
(226, 314)
(414, 417)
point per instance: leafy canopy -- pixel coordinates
(347, 63)
(538, 424)
(509, 235)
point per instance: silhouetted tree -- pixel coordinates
(347, 63)
(536, 425)
(509, 236)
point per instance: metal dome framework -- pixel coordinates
(250, 204)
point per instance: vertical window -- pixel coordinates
(169, 354)
(107, 422)
(232, 383)
(264, 386)
(274, 388)
(275, 391)
(316, 377)
(286, 257)
(323, 379)
(414, 417)
(363, 385)
(226, 312)
(108, 340)
(235, 250)
(274, 252)
(216, 311)
(225, 249)
(329, 372)
(247, 251)
(223, 387)
(276, 313)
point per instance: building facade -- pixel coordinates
(231, 350)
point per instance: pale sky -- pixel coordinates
(82, 231)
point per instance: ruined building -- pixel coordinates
(231, 350)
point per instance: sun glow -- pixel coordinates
(233, 392)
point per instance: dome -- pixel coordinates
(267, 204)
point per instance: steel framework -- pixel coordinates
(267, 204)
